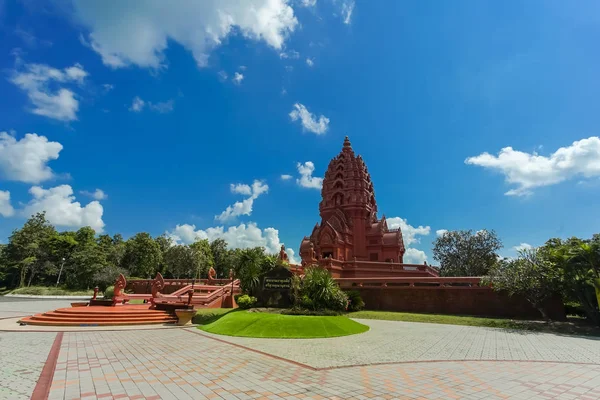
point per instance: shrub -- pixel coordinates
(109, 292)
(107, 276)
(356, 302)
(574, 308)
(245, 302)
(321, 292)
(304, 311)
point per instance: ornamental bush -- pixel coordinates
(245, 302)
(319, 291)
(109, 292)
(356, 302)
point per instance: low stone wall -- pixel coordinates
(479, 301)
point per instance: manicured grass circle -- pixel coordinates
(266, 325)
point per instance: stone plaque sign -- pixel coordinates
(275, 288)
(270, 283)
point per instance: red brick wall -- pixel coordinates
(471, 301)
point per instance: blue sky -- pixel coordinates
(135, 116)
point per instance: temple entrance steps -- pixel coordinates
(102, 316)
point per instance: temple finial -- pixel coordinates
(347, 143)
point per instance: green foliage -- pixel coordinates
(245, 302)
(306, 311)
(202, 258)
(464, 253)
(319, 291)
(106, 276)
(252, 264)
(28, 252)
(356, 301)
(142, 255)
(223, 258)
(530, 275)
(109, 292)
(51, 291)
(579, 264)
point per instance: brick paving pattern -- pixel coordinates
(392, 341)
(180, 364)
(22, 357)
(394, 360)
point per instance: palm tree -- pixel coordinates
(248, 268)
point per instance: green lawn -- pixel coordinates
(51, 291)
(266, 325)
(573, 326)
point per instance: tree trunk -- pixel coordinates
(543, 312)
(23, 275)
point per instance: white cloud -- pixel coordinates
(292, 54)
(308, 3)
(243, 207)
(523, 246)
(127, 33)
(241, 188)
(62, 209)
(25, 160)
(237, 78)
(6, 209)
(162, 107)
(309, 121)
(347, 9)
(242, 67)
(286, 177)
(310, 62)
(97, 194)
(108, 87)
(222, 75)
(410, 235)
(242, 236)
(138, 105)
(414, 256)
(57, 103)
(306, 179)
(440, 232)
(531, 170)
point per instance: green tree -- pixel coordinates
(202, 256)
(576, 259)
(164, 244)
(142, 256)
(530, 275)
(27, 250)
(224, 259)
(464, 253)
(85, 261)
(248, 268)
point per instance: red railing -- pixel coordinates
(142, 286)
(412, 283)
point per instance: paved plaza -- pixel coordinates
(394, 360)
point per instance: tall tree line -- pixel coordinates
(37, 253)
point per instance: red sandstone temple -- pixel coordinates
(351, 241)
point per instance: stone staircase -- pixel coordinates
(102, 316)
